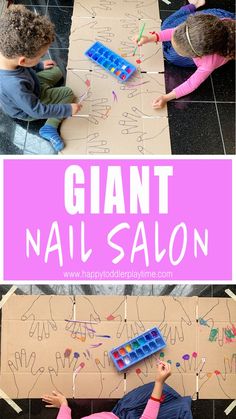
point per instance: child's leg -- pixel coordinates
(52, 96)
(133, 404)
(220, 13)
(50, 77)
(172, 21)
(55, 95)
(178, 17)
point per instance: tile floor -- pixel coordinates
(200, 123)
(33, 409)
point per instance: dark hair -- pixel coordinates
(23, 32)
(208, 35)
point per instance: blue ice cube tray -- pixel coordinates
(138, 348)
(110, 61)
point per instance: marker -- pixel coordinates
(82, 116)
(84, 96)
(80, 321)
(140, 36)
(81, 365)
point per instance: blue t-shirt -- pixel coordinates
(20, 92)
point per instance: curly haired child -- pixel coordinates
(205, 40)
(27, 85)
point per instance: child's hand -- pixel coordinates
(48, 64)
(76, 107)
(56, 400)
(144, 39)
(160, 102)
(163, 372)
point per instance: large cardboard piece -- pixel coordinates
(46, 338)
(217, 343)
(116, 34)
(134, 9)
(116, 118)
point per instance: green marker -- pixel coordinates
(140, 36)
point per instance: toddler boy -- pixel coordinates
(27, 85)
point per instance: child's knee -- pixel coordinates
(69, 93)
(58, 73)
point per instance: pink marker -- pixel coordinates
(81, 365)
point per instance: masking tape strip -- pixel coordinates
(7, 296)
(229, 409)
(3, 395)
(230, 294)
(11, 403)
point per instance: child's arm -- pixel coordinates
(161, 36)
(193, 82)
(153, 405)
(183, 89)
(58, 400)
(29, 103)
(64, 412)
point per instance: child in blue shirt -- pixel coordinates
(27, 85)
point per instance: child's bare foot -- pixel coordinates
(197, 3)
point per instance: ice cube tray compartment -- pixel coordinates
(110, 61)
(138, 348)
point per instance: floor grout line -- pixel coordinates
(201, 101)
(218, 116)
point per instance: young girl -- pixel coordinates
(143, 402)
(205, 40)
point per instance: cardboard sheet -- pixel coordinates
(106, 97)
(134, 9)
(129, 135)
(46, 338)
(217, 343)
(116, 34)
(116, 118)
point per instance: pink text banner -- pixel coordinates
(130, 220)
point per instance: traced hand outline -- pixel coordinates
(106, 387)
(23, 365)
(229, 368)
(92, 144)
(127, 48)
(127, 328)
(40, 327)
(99, 109)
(103, 5)
(146, 367)
(176, 333)
(82, 330)
(64, 363)
(218, 333)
